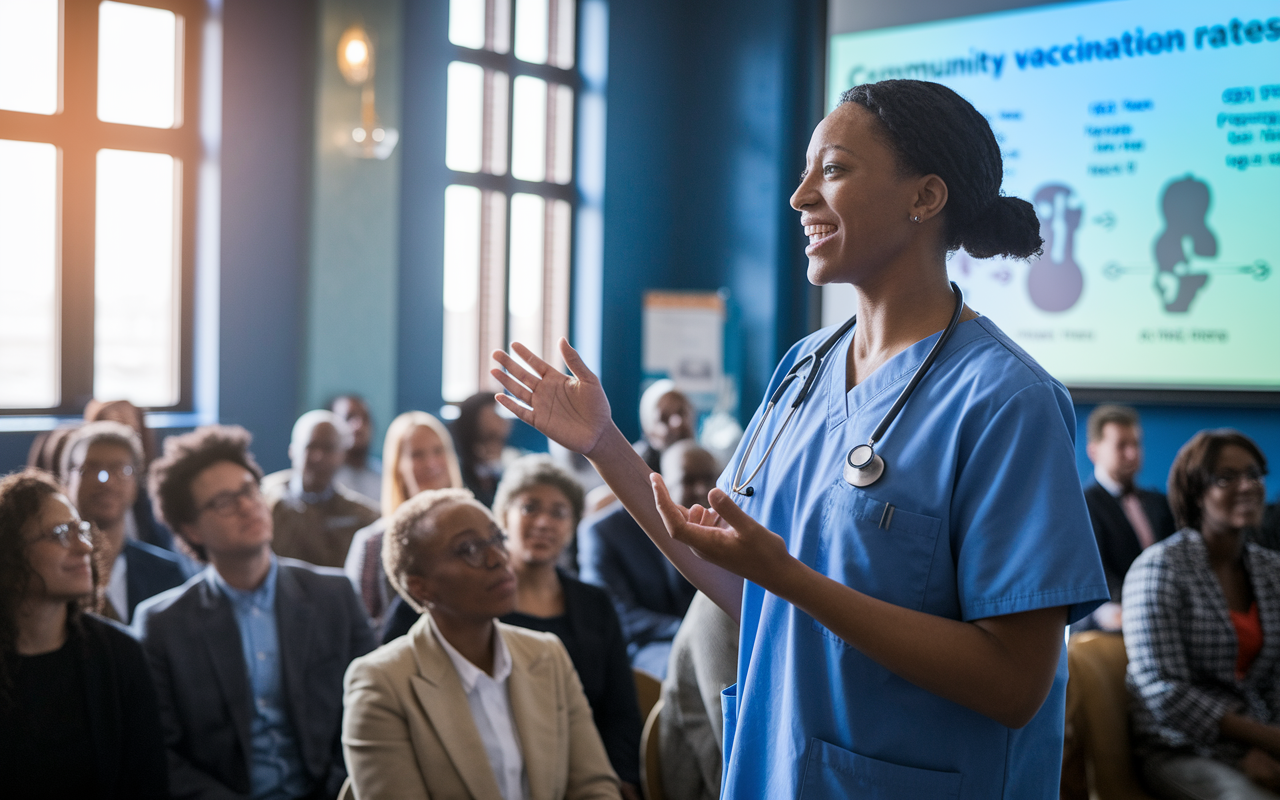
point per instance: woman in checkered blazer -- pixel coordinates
(1202, 629)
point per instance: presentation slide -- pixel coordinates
(1147, 135)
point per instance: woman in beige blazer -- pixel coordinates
(465, 706)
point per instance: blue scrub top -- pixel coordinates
(988, 519)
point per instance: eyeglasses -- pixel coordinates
(64, 533)
(1228, 479)
(557, 512)
(104, 474)
(224, 504)
(473, 551)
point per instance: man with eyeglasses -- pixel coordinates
(100, 472)
(248, 657)
(315, 516)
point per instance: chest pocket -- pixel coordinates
(875, 547)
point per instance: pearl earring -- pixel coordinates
(916, 218)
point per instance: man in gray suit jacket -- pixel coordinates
(248, 657)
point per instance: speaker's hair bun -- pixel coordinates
(1006, 227)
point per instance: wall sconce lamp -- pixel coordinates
(356, 63)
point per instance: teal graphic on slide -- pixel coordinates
(1185, 205)
(1146, 136)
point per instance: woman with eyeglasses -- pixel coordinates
(1201, 614)
(465, 705)
(539, 506)
(78, 713)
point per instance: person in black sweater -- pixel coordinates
(539, 505)
(78, 713)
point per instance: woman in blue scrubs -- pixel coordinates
(901, 639)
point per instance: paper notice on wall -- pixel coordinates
(684, 339)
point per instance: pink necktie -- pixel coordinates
(1138, 519)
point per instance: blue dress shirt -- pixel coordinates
(275, 769)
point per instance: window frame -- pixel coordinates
(487, 332)
(78, 134)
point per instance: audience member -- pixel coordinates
(666, 417)
(464, 705)
(539, 506)
(314, 516)
(46, 448)
(247, 658)
(142, 516)
(480, 436)
(418, 455)
(360, 471)
(1202, 629)
(78, 713)
(704, 662)
(615, 554)
(101, 464)
(1126, 519)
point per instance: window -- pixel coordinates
(509, 208)
(99, 153)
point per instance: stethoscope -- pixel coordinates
(862, 467)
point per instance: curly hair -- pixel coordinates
(528, 472)
(1192, 471)
(185, 457)
(934, 131)
(22, 494)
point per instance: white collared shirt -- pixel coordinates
(1104, 480)
(118, 588)
(491, 711)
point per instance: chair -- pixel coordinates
(650, 756)
(1098, 704)
(648, 690)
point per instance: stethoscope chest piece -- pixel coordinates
(862, 467)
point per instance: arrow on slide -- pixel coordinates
(1260, 270)
(1106, 220)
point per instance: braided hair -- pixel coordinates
(934, 131)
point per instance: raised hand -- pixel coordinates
(569, 409)
(724, 534)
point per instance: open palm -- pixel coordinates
(571, 410)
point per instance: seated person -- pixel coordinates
(418, 455)
(538, 505)
(464, 705)
(1202, 630)
(247, 657)
(360, 471)
(314, 516)
(704, 662)
(615, 554)
(480, 435)
(666, 417)
(1126, 519)
(101, 465)
(78, 713)
(141, 521)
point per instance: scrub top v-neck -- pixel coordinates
(979, 514)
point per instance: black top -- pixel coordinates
(591, 633)
(49, 725)
(83, 720)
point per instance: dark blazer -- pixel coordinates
(650, 594)
(128, 756)
(599, 655)
(1117, 542)
(149, 570)
(192, 642)
(150, 530)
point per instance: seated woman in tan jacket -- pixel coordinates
(465, 706)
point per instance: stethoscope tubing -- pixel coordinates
(817, 357)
